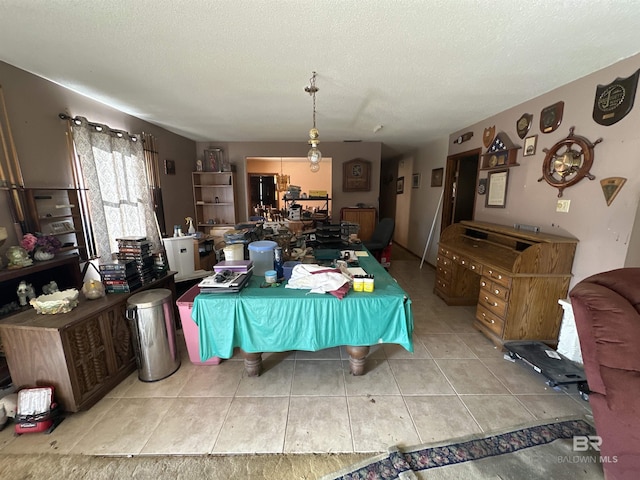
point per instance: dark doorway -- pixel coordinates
(262, 191)
(461, 178)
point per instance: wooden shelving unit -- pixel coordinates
(57, 211)
(214, 197)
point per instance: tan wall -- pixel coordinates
(339, 152)
(33, 105)
(605, 232)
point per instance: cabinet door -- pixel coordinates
(87, 358)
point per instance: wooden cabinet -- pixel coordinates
(83, 354)
(515, 278)
(367, 218)
(56, 211)
(214, 197)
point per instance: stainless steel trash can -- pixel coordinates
(151, 316)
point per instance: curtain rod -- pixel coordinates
(98, 126)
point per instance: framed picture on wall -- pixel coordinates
(400, 185)
(530, 145)
(436, 177)
(497, 189)
(415, 180)
(169, 167)
(356, 175)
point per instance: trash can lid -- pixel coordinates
(262, 246)
(149, 298)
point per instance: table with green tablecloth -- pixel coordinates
(279, 319)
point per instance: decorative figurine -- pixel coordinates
(18, 257)
(93, 289)
(50, 287)
(25, 292)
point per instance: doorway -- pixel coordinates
(262, 191)
(461, 178)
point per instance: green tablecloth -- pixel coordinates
(279, 319)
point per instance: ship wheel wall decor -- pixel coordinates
(568, 161)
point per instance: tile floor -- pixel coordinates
(455, 383)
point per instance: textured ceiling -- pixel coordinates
(234, 70)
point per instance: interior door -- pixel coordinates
(460, 182)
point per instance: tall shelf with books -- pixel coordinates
(214, 197)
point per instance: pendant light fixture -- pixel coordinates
(314, 155)
(282, 181)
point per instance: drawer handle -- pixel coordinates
(497, 291)
(493, 304)
(499, 277)
(484, 284)
(463, 262)
(490, 272)
(473, 267)
(490, 320)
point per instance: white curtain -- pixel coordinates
(113, 169)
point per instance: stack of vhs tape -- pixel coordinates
(138, 250)
(120, 276)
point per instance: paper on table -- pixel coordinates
(361, 253)
(356, 270)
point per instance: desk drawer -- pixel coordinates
(444, 252)
(442, 285)
(475, 267)
(498, 277)
(496, 305)
(444, 273)
(444, 261)
(494, 288)
(489, 320)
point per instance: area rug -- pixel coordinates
(533, 451)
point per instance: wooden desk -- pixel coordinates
(83, 354)
(515, 277)
(281, 319)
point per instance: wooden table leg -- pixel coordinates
(252, 363)
(357, 356)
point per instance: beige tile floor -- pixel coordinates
(455, 383)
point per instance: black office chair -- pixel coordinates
(381, 237)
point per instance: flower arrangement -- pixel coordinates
(44, 243)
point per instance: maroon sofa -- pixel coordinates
(606, 307)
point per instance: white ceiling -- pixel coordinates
(235, 70)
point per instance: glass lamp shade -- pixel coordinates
(314, 167)
(314, 155)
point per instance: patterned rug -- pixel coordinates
(421, 461)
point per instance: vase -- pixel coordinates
(41, 255)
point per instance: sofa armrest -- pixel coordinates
(608, 326)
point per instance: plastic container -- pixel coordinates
(288, 268)
(358, 283)
(235, 251)
(270, 276)
(368, 284)
(180, 255)
(150, 314)
(262, 254)
(190, 329)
